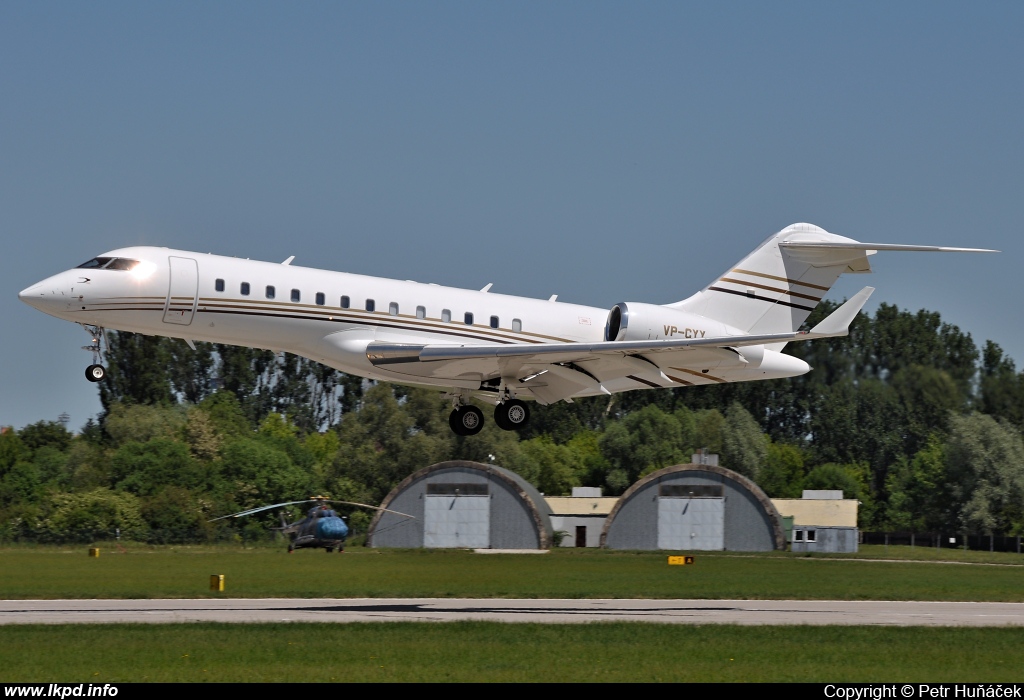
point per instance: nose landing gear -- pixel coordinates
(95, 372)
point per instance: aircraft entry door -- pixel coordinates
(457, 517)
(182, 292)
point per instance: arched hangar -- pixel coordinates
(463, 504)
(692, 507)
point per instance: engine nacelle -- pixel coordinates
(638, 321)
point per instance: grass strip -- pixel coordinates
(28, 573)
(496, 652)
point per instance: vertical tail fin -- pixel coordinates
(775, 288)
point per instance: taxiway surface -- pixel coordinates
(737, 612)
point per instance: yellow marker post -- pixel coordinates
(680, 560)
(217, 582)
(94, 551)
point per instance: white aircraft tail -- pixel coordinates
(776, 287)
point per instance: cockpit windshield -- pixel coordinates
(109, 264)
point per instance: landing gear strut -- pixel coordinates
(466, 420)
(95, 372)
(511, 415)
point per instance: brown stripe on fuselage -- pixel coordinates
(770, 289)
(781, 279)
(766, 299)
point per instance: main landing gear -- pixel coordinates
(511, 414)
(95, 372)
(466, 419)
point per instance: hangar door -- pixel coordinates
(691, 517)
(457, 515)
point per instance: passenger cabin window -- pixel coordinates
(345, 302)
(469, 318)
(320, 299)
(446, 316)
(494, 322)
(245, 289)
(517, 325)
(393, 308)
(296, 296)
(219, 285)
(421, 312)
(370, 305)
(270, 291)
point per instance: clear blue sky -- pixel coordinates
(602, 151)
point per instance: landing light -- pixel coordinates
(143, 270)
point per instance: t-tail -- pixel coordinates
(777, 286)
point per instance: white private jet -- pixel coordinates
(501, 349)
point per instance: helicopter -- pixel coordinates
(322, 526)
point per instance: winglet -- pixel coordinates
(838, 322)
(289, 260)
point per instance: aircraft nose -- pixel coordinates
(51, 296)
(34, 296)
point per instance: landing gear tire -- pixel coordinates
(95, 373)
(466, 420)
(511, 415)
(291, 549)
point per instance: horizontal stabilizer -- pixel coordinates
(838, 322)
(827, 245)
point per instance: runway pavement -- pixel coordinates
(739, 612)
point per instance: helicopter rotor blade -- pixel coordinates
(365, 505)
(258, 510)
(252, 511)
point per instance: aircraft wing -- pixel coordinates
(569, 368)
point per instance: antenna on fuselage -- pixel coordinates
(289, 260)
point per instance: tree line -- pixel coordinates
(906, 414)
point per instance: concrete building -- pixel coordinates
(580, 517)
(463, 504)
(693, 507)
(823, 521)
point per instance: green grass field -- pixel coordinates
(183, 572)
(482, 651)
(479, 651)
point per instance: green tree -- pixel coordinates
(644, 441)
(919, 497)
(45, 433)
(143, 468)
(99, 513)
(127, 422)
(744, 446)
(985, 463)
(783, 473)
(136, 370)
(557, 466)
